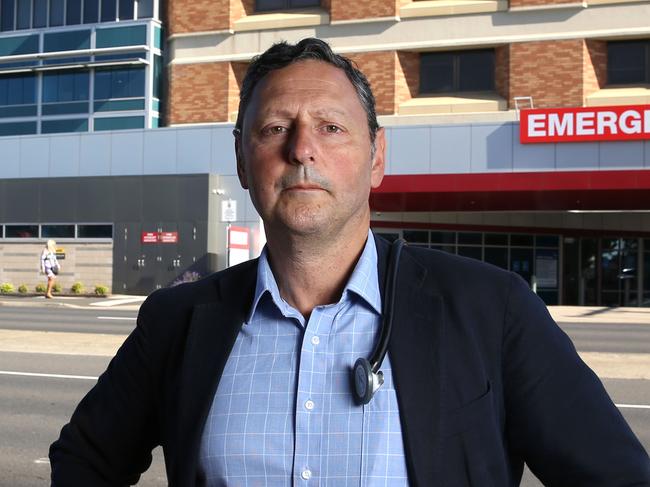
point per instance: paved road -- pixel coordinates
(100, 320)
(33, 408)
(588, 337)
(609, 337)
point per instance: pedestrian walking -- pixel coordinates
(49, 266)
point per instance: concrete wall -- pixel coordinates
(88, 263)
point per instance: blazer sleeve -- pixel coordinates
(559, 418)
(111, 434)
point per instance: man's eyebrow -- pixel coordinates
(284, 112)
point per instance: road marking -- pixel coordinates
(124, 318)
(51, 376)
(42, 460)
(117, 302)
(633, 406)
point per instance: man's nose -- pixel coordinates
(302, 146)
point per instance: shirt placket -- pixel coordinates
(310, 398)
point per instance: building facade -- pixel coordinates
(453, 80)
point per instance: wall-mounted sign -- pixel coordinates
(149, 237)
(584, 124)
(60, 253)
(228, 210)
(159, 237)
(168, 237)
(238, 245)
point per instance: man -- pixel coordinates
(244, 377)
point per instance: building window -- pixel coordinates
(91, 11)
(57, 10)
(268, 5)
(65, 125)
(24, 14)
(73, 12)
(628, 62)
(457, 71)
(7, 15)
(65, 86)
(109, 11)
(40, 13)
(119, 83)
(145, 9)
(21, 231)
(126, 9)
(17, 89)
(57, 231)
(94, 231)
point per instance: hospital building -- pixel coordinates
(518, 134)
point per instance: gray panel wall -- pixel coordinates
(424, 149)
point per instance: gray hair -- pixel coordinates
(282, 54)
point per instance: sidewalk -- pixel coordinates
(114, 301)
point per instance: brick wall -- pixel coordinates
(501, 70)
(379, 68)
(594, 66)
(241, 8)
(550, 71)
(236, 74)
(198, 93)
(407, 77)
(198, 15)
(362, 9)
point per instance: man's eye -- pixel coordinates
(332, 129)
(275, 130)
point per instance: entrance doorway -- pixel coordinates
(602, 271)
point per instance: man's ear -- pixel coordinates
(241, 167)
(379, 159)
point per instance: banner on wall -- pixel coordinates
(238, 245)
(584, 124)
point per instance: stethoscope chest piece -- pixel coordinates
(366, 382)
(366, 376)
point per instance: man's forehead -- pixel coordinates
(309, 72)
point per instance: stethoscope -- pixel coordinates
(366, 376)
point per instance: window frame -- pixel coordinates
(646, 74)
(456, 72)
(287, 5)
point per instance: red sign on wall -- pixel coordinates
(168, 237)
(149, 237)
(585, 124)
(159, 237)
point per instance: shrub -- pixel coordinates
(101, 290)
(188, 276)
(6, 288)
(40, 288)
(22, 289)
(56, 288)
(77, 288)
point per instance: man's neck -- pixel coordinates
(314, 271)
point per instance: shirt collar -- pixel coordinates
(363, 281)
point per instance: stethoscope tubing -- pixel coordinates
(380, 351)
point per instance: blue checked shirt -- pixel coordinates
(284, 414)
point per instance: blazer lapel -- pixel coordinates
(210, 338)
(416, 356)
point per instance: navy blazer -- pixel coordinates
(485, 380)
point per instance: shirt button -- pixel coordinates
(315, 340)
(309, 404)
(306, 474)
